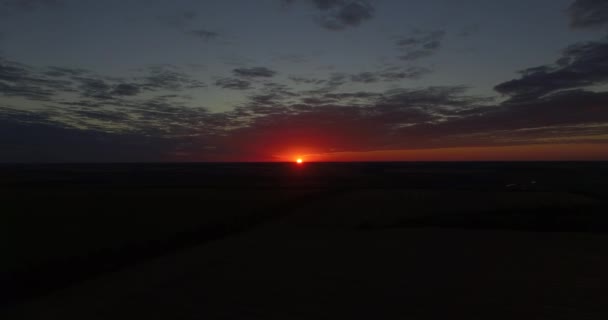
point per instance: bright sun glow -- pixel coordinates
(299, 160)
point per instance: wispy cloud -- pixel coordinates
(581, 65)
(420, 44)
(186, 22)
(255, 72)
(232, 83)
(588, 13)
(341, 14)
(8, 6)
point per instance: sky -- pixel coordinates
(324, 80)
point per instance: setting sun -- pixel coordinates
(299, 160)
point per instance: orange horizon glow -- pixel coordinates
(537, 152)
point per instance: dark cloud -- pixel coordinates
(469, 30)
(365, 77)
(395, 74)
(336, 79)
(433, 117)
(64, 72)
(348, 14)
(44, 84)
(277, 118)
(185, 22)
(101, 111)
(432, 98)
(231, 83)
(305, 80)
(347, 121)
(341, 14)
(50, 142)
(279, 88)
(314, 101)
(333, 82)
(2, 38)
(511, 123)
(27, 5)
(26, 91)
(18, 80)
(364, 97)
(180, 20)
(147, 118)
(102, 90)
(161, 117)
(125, 89)
(351, 121)
(47, 84)
(572, 107)
(581, 65)
(257, 72)
(203, 34)
(12, 72)
(101, 115)
(94, 88)
(292, 58)
(327, 4)
(83, 103)
(167, 118)
(589, 13)
(272, 98)
(420, 44)
(168, 77)
(390, 74)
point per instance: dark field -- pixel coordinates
(322, 240)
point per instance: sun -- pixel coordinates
(299, 161)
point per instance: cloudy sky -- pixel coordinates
(268, 80)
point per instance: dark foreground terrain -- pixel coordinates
(318, 241)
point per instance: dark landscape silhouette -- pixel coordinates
(72, 226)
